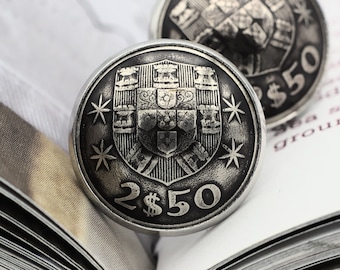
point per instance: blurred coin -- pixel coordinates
(167, 137)
(279, 45)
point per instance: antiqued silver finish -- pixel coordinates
(167, 137)
(279, 45)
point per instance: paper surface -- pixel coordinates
(55, 46)
(48, 51)
(299, 180)
(40, 170)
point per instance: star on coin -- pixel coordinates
(99, 109)
(233, 154)
(305, 13)
(102, 155)
(233, 109)
(164, 135)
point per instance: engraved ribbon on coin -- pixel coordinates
(168, 137)
(280, 45)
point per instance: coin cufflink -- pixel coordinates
(167, 137)
(279, 45)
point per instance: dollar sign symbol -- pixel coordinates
(278, 97)
(153, 208)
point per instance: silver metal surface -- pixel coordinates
(279, 45)
(167, 137)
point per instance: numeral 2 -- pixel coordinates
(133, 194)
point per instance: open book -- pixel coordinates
(290, 219)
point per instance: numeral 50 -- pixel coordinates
(310, 61)
(177, 207)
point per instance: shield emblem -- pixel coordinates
(243, 31)
(166, 98)
(147, 119)
(166, 119)
(168, 129)
(186, 119)
(154, 126)
(167, 141)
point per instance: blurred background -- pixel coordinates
(49, 49)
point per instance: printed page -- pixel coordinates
(48, 51)
(40, 170)
(299, 181)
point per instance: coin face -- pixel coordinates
(167, 137)
(279, 45)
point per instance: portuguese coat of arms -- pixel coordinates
(250, 29)
(167, 118)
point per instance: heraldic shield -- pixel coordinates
(168, 128)
(244, 31)
(167, 118)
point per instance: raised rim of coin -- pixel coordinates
(293, 75)
(88, 177)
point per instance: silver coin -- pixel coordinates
(279, 45)
(167, 137)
